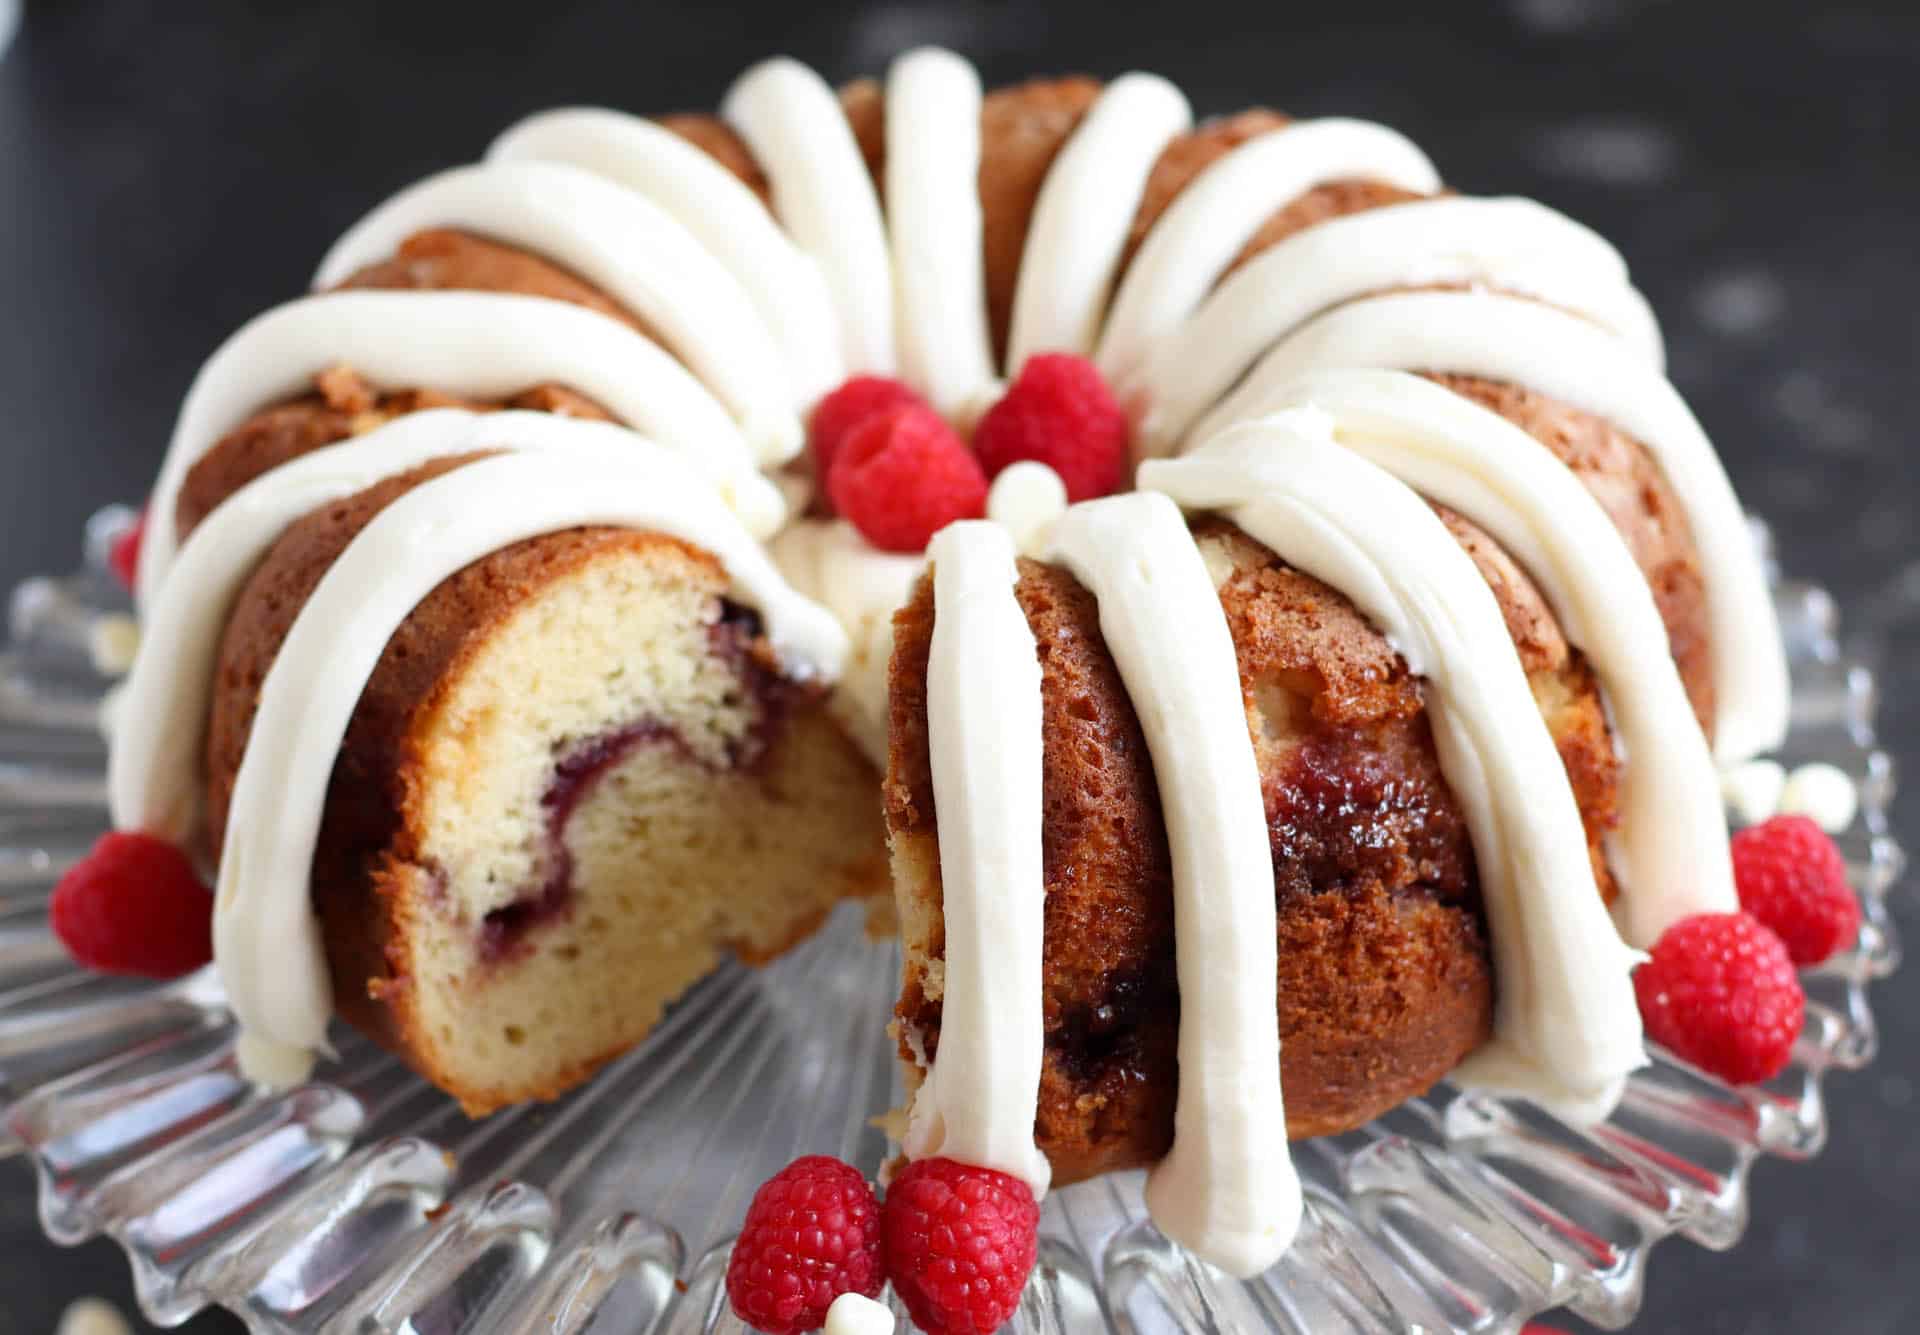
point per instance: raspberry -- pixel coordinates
(902, 476)
(835, 417)
(134, 905)
(1720, 992)
(1792, 878)
(123, 557)
(811, 1234)
(1060, 413)
(960, 1243)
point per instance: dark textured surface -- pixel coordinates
(168, 170)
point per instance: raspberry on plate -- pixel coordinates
(1720, 992)
(1792, 877)
(134, 905)
(960, 1243)
(902, 476)
(837, 415)
(812, 1234)
(1061, 413)
(123, 557)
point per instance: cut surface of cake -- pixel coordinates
(594, 576)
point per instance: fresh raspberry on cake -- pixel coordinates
(134, 905)
(836, 416)
(902, 476)
(1061, 413)
(812, 1234)
(960, 1242)
(1792, 877)
(123, 557)
(1720, 992)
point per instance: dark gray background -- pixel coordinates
(167, 170)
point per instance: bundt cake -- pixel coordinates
(509, 655)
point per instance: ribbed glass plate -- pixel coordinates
(366, 1200)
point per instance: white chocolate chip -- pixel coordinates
(1753, 789)
(1825, 793)
(1025, 499)
(112, 641)
(97, 1316)
(853, 1314)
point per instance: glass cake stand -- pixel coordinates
(366, 1201)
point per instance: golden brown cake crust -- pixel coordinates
(1022, 130)
(1636, 495)
(341, 405)
(863, 102)
(1190, 154)
(717, 140)
(444, 260)
(1385, 981)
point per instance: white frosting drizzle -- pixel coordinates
(823, 196)
(1564, 357)
(1670, 854)
(709, 201)
(626, 246)
(1512, 244)
(1085, 209)
(479, 343)
(1566, 1027)
(933, 221)
(1227, 1190)
(153, 767)
(266, 941)
(984, 737)
(1222, 208)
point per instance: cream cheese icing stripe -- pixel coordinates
(824, 197)
(718, 208)
(934, 221)
(476, 343)
(1227, 1190)
(1512, 244)
(266, 940)
(1567, 358)
(984, 732)
(1670, 854)
(1208, 222)
(1566, 1025)
(153, 767)
(1084, 212)
(617, 240)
